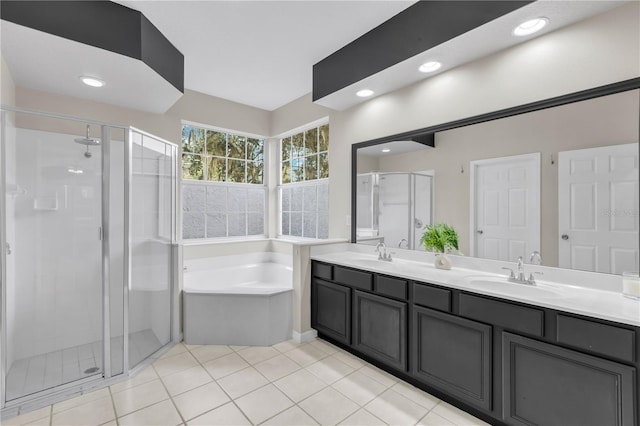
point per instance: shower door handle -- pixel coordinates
(8, 248)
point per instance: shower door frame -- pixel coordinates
(48, 396)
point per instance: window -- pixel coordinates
(304, 189)
(223, 194)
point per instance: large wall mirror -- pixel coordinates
(560, 179)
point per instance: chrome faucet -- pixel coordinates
(519, 277)
(382, 252)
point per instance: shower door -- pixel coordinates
(53, 287)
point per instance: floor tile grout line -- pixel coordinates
(175, 406)
(113, 405)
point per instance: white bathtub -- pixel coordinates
(238, 300)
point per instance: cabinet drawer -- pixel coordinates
(357, 279)
(431, 297)
(392, 287)
(503, 314)
(599, 338)
(322, 270)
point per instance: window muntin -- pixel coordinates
(304, 155)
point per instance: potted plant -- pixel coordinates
(442, 239)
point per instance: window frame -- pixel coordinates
(264, 186)
(314, 182)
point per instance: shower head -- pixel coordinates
(88, 141)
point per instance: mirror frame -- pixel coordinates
(428, 133)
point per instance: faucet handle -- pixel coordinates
(532, 279)
(512, 274)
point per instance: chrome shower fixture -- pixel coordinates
(88, 141)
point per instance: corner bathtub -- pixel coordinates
(238, 300)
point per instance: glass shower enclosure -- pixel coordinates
(88, 255)
(393, 208)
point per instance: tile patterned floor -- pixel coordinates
(45, 371)
(286, 384)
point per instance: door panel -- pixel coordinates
(505, 207)
(598, 209)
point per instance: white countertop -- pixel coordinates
(592, 302)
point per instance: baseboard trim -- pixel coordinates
(305, 336)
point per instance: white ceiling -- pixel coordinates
(258, 53)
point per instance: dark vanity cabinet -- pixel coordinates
(548, 385)
(380, 328)
(503, 361)
(453, 354)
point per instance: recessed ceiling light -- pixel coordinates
(430, 66)
(364, 93)
(386, 150)
(531, 26)
(90, 81)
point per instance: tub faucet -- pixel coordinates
(382, 252)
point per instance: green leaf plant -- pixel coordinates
(441, 238)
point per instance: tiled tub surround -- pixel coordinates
(238, 300)
(555, 353)
(285, 384)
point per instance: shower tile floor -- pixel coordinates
(40, 372)
(285, 384)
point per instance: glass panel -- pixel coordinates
(237, 224)
(216, 198)
(193, 208)
(311, 167)
(151, 247)
(255, 172)
(236, 172)
(193, 225)
(255, 200)
(286, 199)
(297, 170)
(285, 223)
(323, 138)
(54, 301)
(216, 225)
(323, 197)
(286, 172)
(255, 149)
(310, 203)
(216, 169)
(297, 145)
(323, 225)
(192, 166)
(311, 141)
(296, 199)
(236, 146)
(255, 223)
(237, 198)
(192, 140)
(216, 143)
(309, 228)
(323, 168)
(296, 224)
(286, 148)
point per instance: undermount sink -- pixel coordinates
(501, 285)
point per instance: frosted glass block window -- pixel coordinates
(305, 209)
(304, 183)
(213, 155)
(218, 209)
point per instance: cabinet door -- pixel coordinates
(548, 385)
(331, 310)
(453, 354)
(380, 329)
